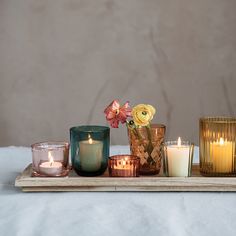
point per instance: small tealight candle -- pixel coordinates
(50, 159)
(124, 166)
(178, 158)
(51, 167)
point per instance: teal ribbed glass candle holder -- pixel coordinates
(90, 146)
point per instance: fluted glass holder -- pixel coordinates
(50, 159)
(124, 166)
(90, 149)
(217, 146)
(178, 159)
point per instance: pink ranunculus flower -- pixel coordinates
(116, 113)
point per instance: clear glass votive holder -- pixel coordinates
(217, 140)
(50, 159)
(124, 166)
(178, 158)
(90, 146)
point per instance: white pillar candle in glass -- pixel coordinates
(90, 152)
(178, 158)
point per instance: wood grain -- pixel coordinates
(157, 183)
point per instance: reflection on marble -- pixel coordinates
(62, 63)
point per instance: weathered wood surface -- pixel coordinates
(157, 183)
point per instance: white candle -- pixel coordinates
(90, 152)
(50, 168)
(222, 155)
(178, 159)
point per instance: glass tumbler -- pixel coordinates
(217, 139)
(146, 143)
(90, 149)
(50, 159)
(124, 166)
(178, 158)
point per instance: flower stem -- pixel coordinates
(134, 131)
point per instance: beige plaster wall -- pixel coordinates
(62, 62)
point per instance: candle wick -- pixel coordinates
(50, 163)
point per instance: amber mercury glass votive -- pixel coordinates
(50, 159)
(217, 138)
(146, 143)
(124, 166)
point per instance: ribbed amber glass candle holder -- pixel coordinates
(217, 146)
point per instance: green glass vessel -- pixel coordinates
(90, 146)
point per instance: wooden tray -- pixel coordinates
(157, 183)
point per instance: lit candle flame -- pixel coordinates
(50, 158)
(179, 142)
(222, 141)
(90, 140)
(124, 161)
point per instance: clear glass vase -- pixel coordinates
(146, 143)
(217, 146)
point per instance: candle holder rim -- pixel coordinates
(46, 145)
(115, 157)
(174, 142)
(218, 119)
(89, 128)
(154, 126)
